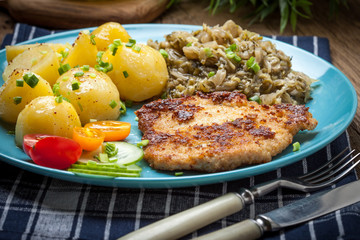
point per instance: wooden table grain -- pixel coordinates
(342, 32)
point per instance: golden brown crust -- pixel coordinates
(217, 131)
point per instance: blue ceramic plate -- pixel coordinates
(332, 89)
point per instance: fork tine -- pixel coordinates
(318, 172)
(329, 178)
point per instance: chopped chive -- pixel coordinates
(102, 66)
(31, 79)
(19, 82)
(92, 39)
(59, 99)
(163, 95)
(92, 75)
(17, 100)
(136, 119)
(66, 99)
(208, 52)
(131, 43)
(65, 78)
(122, 108)
(189, 44)
(237, 58)
(296, 146)
(210, 74)
(143, 143)
(112, 104)
(230, 54)
(252, 64)
(125, 74)
(75, 85)
(233, 47)
(255, 98)
(85, 68)
(164, 53)
(64, 68)
(56, 89)
(136, 48)
(64, 54)
(117, 42)
(79, 74)
(179, 173)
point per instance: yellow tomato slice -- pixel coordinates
(113, 130)
(88, 138)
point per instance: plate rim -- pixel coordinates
(182, 181)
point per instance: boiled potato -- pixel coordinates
(83, 51)
(41, 60)
(45, 115)
(9, 107)
(14, 50)
(107, 33)
(96, 97)
(138, 73)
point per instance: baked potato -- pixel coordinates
(14, 97)
(105, 34)
(139, 72)
(46, 115)
(92, 93)
(41, 60)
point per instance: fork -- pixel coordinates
(185, 222)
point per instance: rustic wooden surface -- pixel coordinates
(343, 34)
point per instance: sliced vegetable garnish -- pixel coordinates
(89, 139)
(19, 82)
(127, 153)
(102, 66)
(75, 85)
(164, 53)
(30, 140)
(143, 143)
(31, 79)
(296, 146)
(252, 64)
(255, 98)
(17, 100)
(92, 39)
(210, 74)
(113, 104)
(113, 130)
(125, 73)
(64, 68)
(55, 152)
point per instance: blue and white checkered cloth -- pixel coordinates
(38, 207)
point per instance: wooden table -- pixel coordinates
(343, 34)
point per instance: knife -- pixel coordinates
(295, 213)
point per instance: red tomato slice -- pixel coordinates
(55, 152)
(113, 130)
(31, 139)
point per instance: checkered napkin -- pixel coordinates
(38, 207)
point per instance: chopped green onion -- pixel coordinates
(56, 89)
(131, 43)
(296, 146)
(111, 150)
(102, 66)
(19, 82)
(122, 108)
(92, 39)
(125, 74)
(103, 157)
(179, 173)
(59, 99)
(85, 68)
(164, 95)
(31, 79)
(11, 132)
(64, 68)
(17, 100)
(233, 47)
(75, 85)
(189, 44)
(208, 52)
(237, 58)
(252, 64)
(136, 119)
(255, 98)
(210, 74)
(117, 42)
(136, 48)
(79, 74)
(112, 104)
(230, 54)
(92, 75)
(143, 143)
(66, 99)
(64, 54)
(65, 78)
(164, 53)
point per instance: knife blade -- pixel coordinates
(300, 211)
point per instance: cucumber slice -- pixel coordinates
(128, 153)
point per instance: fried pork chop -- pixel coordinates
(218, 131)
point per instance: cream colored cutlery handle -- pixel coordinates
(245, 230)
(185, 222)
